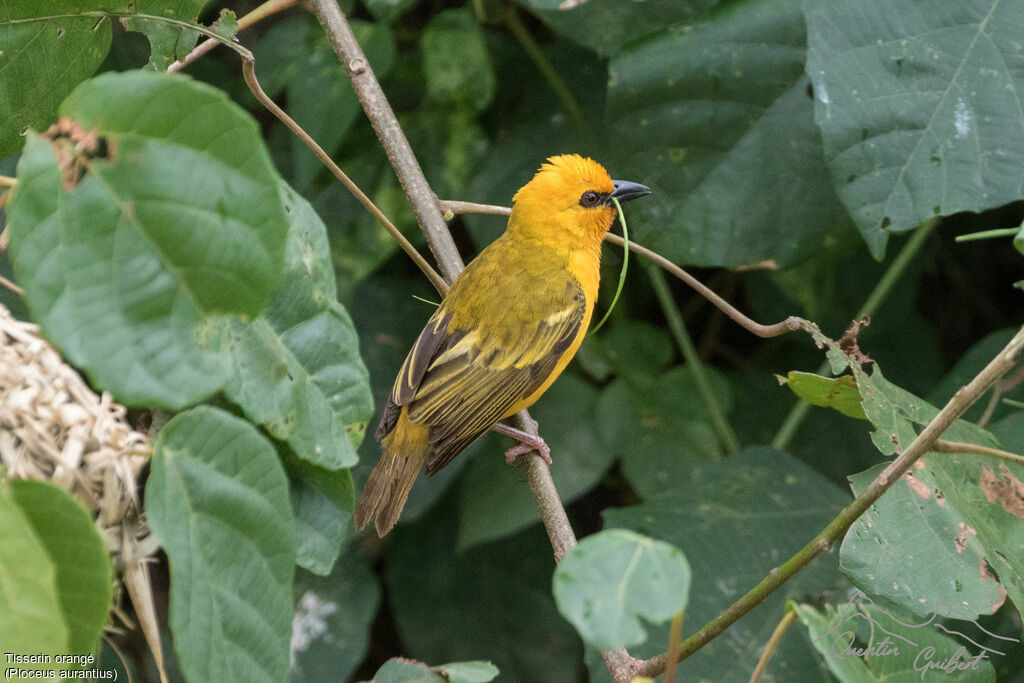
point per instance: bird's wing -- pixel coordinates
(461, 382)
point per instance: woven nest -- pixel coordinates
(55, 428)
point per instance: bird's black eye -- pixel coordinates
(590, 198)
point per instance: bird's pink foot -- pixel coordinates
(527, 443)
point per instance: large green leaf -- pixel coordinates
(294, 56)
(947, 535)
(322, 501)
(217, 499)
(497, 502)
(717, 121)
(297, 366)
(610, 580)
(333, 615)
(47, 51)
(660, 427)
(864, 643)
(85, 578)
(456, 607)
(919, 106)
(605, 26)
(31, 616)
(737, 519)
(177, 219)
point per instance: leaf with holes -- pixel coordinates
(919, 107)
(609, 580)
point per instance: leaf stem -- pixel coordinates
(790, 425)
(8, 181)
(943, 446)
(772, 645)
(675, 637)
(693, 361)
(1006, 359)
(987, 234)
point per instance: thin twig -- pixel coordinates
(924, 442)
(5, 238)
(11, 286)
(788, 325)
(675, 637)
(392, 137)
(8, 181)
(454, 208)
(249, 71)
(265, 10)
(772, 645)
(943, 446)
(790, 425)
(1006, 385)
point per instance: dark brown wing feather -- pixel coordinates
(461, 391)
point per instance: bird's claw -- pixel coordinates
(538, 445)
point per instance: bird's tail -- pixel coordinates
(387, 489)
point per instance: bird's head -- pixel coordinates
(570, 197)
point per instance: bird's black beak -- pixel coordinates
(625, 190)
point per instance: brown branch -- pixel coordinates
(925, 441)
(943, 446)
(788, 325)
(391, 135)
(426, 207)
(265, 10)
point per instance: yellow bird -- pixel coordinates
(511, 322)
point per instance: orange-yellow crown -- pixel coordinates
(567, 176)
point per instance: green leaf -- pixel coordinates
(606, 582)
(496, 502)
(738, 518)
(333, 616)
(468, 672)
(839, 393)
(32, 619)
(450, 607)
(226, 25)
(660, 427)
(630, 347)
(84, 576)
(177, 219)
(901, 649)
(217, 498)
(455, 60)
(168, 41)
(919, 107)
(296, 57)
(47, 51)
(944, 540)
(297, 366)
(322, 502)
(716, 119)
(398, 670)
(605, 26)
